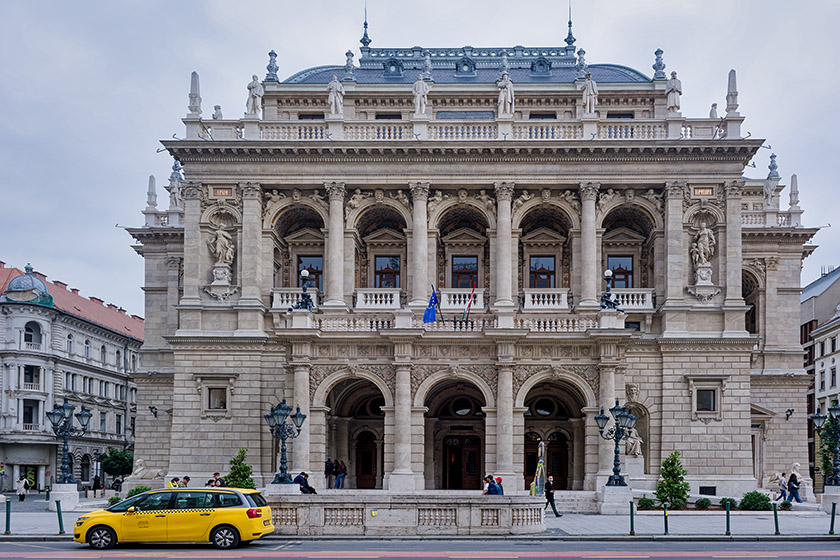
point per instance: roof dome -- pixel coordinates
(28, 288)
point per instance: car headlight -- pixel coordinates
(83, 518)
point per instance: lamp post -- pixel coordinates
(61, 418)
(830, 431)
(281, 430)
(623, 423)
(607, 301)
(305, 301)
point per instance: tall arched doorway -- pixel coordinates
(366, 463)
(456, 420)
(556, 458)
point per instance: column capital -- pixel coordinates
(191, 190)
(504, 190)
(250, 190)
(675, 189)
(734, 189)
(589, 190)
(419, 191)
(335, 190)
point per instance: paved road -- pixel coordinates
(340, 550)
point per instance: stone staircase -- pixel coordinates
(576, 501)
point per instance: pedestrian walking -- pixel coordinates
(219, 481)
(329, 471)
(793, 488)
(22, 487)
(97, 483)
(549, 495)
(782, 488)
(499, 484)
(184, 483)
(491, 489)
(173, 483)
(340, 474)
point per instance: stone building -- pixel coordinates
(509, 180)
(55, 343)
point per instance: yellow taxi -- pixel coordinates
(222, 516)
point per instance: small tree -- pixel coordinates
(672, 489)
(117, 462)
(827, 447)
(240, 472)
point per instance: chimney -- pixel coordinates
(97, 300)
(138, 317)
(60, 284)
(2, 264)
(112, 306)
(74, 291)
(121, 310)
(39, 275)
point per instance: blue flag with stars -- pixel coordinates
(429, 315)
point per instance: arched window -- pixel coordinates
(133, 362)
(102, 354)
(117, 359)
(32, 333)
(87, 349)
(69, 344)
(85, 468)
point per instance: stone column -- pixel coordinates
(192, 242)
(504, 423)
(588, 247)
(335, 248)
(402, 478)
(606, 399)
(300, 452)
(419, 245)
(504, 262)
(674, 318)
(734, 320)
(249, 259)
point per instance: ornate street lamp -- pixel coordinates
(61, 418)
(623, 423)
(830, 431)
(305, 301)
(607, 301)
(281, 430)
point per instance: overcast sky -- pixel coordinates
(87, 89)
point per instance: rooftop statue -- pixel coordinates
(507, 102)
(217, 112)
(336, 96)
(255, 95)
(421, 95)
(590, 94)
(713, 111)
(673, 88)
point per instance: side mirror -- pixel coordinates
(132, 509)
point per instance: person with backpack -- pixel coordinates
(492, 488)
(22, 487)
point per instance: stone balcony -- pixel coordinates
(455, 299)
(284, 298)
(378, 298)
(635, 299)
(547, 300)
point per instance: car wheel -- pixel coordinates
(102, 537)
(224, 537)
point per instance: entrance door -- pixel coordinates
(366, 460)
(556, 459)
(461, 467)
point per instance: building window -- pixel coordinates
(84, 466)
(622, 269)
(834, 344)
(216, 398)
(542, 272)
(103, 422)
(90, 385)
(102, 354)
(315, 266)
(67, 381)
(101, 388)
(388, 116)
(706, 394)
(73, 382)
(30, 414)
(822, 380)
(32, 333)
(387, 272)
(87, 349)
(133, 362)
(542, 116)
(119, 423)
(69, 344)
(133, 425)
(464, 272)
(833, 377)
(706, 400)
(822, 348)
(216, 390)
(310, 116)
(118, 359)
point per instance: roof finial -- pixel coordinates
(570, 39)
(365, 40)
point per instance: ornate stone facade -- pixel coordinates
(510, 212)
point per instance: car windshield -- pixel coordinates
(125, 504)
(256, 500)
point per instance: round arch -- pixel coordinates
(275, 209)
(370, 202)
(640, 203)
(214, 209)
(557, 374)
(447, 204)
(319, 399)
(448, 374)
(536, 202)
(711, 210)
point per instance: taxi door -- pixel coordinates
(148, 521)
(190, 515)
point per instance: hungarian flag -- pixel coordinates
(469, 303)
(429, 314)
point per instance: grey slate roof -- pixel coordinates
(819, 285)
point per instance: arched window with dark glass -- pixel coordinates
(102, 354)
(32, 333)
(87, 348)
(69, 344)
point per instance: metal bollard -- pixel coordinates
(8, 518)
(48, 494)
(776, 518)
(632, 525)
(665, 510)
(728, 532)
(60, 520)
(833, 511)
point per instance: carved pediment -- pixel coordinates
(305, 236)
(385, 236)
(623, 236)
(543, 236)
(464, 236)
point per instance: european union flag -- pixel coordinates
(429, 314)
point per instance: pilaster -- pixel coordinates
(189, 307)
(250, 306)
(675, 308)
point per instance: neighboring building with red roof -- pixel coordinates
(57, 344)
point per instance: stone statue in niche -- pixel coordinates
(702, 250)
(221, 245)
(673, 88)
(590, 94)
(633, 445)
(705, 241)
(255, 95)
(421, 96)
(335, 97)
(507, 102)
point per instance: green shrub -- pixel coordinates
(113, 500)
(646, 503)
(733, 503)
(785, 505)
(755, 501)
(671, 489)
(137, 490)
(677, 503)
(703, 503)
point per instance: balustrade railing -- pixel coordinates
(631, 130)
(547, 131)
(634, 299)
(32, 346)
(378, 132)
(31, 386)
(455, 299)
(463, 131)
(284, 298)
(455, 325)
(554, 299)
(293, 131)
(31, 427)
(354, 324)
(378, 298)
(561, 324)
